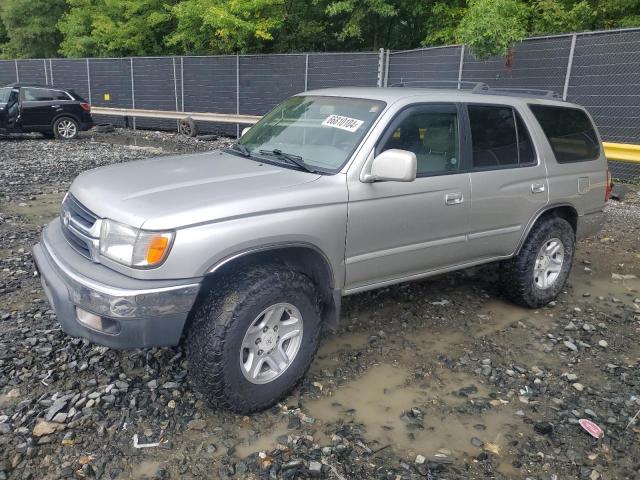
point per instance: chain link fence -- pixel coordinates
(600, 70)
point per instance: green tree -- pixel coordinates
(441, 22)
(491, 27)
(219, 26)
(363, 19)
(30, 27)
(116, 27)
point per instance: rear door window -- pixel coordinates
(44, 95)
(569, 131)
(499, 138)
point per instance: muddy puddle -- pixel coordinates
(382, 401)
(39, 211)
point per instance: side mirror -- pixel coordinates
(393, 166)
(244, 130)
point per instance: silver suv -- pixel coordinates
(246, 252)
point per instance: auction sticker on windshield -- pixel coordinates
(343, 123)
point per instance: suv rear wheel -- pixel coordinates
(65, 128)
(253, 337)
(539, 272)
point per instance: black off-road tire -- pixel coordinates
(187, 126)
(516, 275)
(215, 336)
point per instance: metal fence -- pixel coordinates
(600, 70)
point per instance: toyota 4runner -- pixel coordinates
(246, 252)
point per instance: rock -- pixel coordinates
(197, 425)
(578, 386)
(315, 468)
(570, 326)
(570, 345)
(58, 405)
(603, 343)
(571, 377)
(543, 428)
(45, 428)
(420, 459)
(476, 442)
(59, 418)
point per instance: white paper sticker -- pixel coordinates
(343, 123)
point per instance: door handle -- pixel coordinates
(453, 198)
(55, 106)
(538, 188)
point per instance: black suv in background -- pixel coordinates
(54, 112)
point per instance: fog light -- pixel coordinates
(96, 322)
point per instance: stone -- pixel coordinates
(420, 459)
(315, 468)
(476, 442)
(45, 428)
(578, 386)
(603, 343)
(570, 345)
(57, 405)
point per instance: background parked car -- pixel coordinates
(54, 112)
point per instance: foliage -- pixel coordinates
(491, 27)
(115, 27)
(44, 28)
(30, 27)
(219, 26)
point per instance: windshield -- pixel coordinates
(5, 92)
(322, 132)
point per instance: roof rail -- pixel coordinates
(447, 84)
(520, 92)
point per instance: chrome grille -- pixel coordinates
(80, 227)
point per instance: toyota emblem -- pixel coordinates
(66, 218)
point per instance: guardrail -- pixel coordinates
(170, 115)
(622, 152)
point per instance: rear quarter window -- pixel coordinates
(569, 131)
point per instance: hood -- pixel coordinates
(171, 192)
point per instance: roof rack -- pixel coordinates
(483, 88)
(520, 92)
(447, 84)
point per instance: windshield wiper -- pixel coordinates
(238, 147)
(295, 159)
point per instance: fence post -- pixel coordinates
(386, 69)
(175, 82)
(89, 82)
(237, 94)
(569, 67)
(182, 83)
(306, 72)
(17, 73)
(133, 92)
(46, 77)
(380, 67)
(460, 67)
(51, 71)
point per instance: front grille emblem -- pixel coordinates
(66, 218)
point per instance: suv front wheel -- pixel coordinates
(253, 337)
(535, 276)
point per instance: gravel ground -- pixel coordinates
(437, 379)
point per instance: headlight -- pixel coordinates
(133, 247)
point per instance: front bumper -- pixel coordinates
(140, 313)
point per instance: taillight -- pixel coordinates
(85, 106)
(607, 191)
